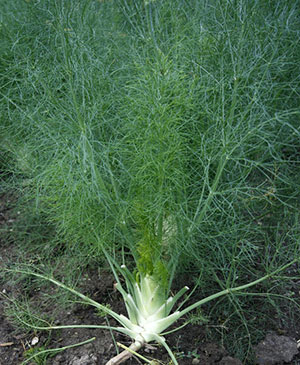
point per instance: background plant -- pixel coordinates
(165, 125)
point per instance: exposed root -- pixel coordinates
(126, 354)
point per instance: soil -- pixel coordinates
(190, 343)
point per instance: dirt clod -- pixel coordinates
(228, 360)
(214, 352)
(276, 349)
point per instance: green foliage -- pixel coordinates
(101, 313)
(35, 357)
(163, 130)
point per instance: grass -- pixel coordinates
(125, 123)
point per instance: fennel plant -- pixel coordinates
(163, 140)
(148, 308)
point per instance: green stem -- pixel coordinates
(161, 341)
(58, 349)
(213, 189)
(232, 290)
(92, 302)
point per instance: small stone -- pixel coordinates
(34, 341)
(195, 361)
